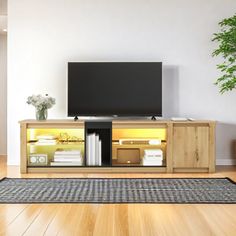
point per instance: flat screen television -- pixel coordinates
(114, 89)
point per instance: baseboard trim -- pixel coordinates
(225, 162)
(13, 163)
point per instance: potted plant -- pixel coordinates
(41, 104)
(226, 40)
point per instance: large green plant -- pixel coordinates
(226, 40)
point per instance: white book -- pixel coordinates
(153, 158)
(152, 163)
(47, 140)
(66, 163)
(100, 153)
(48, 137)
(155, 155)
(147, 161)
(67, 159)
(153, 152)
(88, 151)
(68, 156)
(68, 152)
(44, 144)
(96, 150)
(92, 149)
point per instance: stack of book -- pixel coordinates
(93, 150)
(67, 157)
(153, 157)
(46, 140)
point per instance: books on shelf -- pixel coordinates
(94, 150)
(153, 153)
(152, 163)
(62, 152)
(46, 137)
(66, 163)
(67, 157)
(46, 140)
(153, 157)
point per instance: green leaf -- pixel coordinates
(226, 39)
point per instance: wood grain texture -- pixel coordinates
(117, 219)
(190, 144)
(85, 170)
(212, 159)
(169, 148)
(23, 146)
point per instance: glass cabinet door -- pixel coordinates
(139, 147)
(55, 147)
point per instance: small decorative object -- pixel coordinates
(226, 40)
(41, 104)
(38, 159)
(66, 138)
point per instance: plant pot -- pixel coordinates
(41, 114)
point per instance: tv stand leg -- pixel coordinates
(154, 118)
(76, 118)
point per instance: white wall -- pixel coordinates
(3, 94)
(45, 35)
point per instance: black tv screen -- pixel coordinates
(114, 88)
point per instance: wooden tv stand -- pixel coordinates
(188, 146)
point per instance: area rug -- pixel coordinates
(117, 190)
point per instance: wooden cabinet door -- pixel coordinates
(190, 146)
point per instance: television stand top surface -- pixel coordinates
(117, 118)
(122, 120)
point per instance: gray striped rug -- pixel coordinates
(117, 190)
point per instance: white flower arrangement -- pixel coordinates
(41, 102)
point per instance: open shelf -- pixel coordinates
(130, 145)
(55, 147)
(115, 164)
(120, 147)
(104, 131)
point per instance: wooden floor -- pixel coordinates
(117, 219)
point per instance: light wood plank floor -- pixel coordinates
(117, 219)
